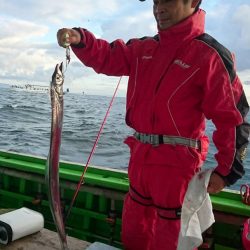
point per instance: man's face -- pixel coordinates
(170, 12)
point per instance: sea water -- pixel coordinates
(25, 123)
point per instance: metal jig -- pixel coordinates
(67, 58)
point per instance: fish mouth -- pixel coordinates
(59, 68)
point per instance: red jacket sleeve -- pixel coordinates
(226, 105)
(112, 59)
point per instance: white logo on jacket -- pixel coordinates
(147, 57)
(181, 64)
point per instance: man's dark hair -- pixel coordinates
(197, 6)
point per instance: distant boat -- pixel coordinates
(67, 91)
(32, 88)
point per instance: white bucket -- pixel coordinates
(19, 223)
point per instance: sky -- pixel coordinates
(29, 49)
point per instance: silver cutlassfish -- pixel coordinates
(52, 166)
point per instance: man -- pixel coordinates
(176, 80)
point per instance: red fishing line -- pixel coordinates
(81, 182)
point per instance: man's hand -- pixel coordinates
(66, 37)
(216, 184)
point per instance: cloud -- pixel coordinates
(58, 11)
(245, 79)
(29, 50)
(244, 75)
(247, 91)
(229, 23)
(241, 17)
(20, 55)
(15, 31)
(143, 24)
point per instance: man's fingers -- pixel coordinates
(66, 37)
(63, 37)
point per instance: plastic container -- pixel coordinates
(19, 223)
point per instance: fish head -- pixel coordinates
(57, 80)
(57, 77)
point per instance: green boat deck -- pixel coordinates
(96, 215)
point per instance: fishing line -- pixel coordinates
(81, 182)
(67, 58)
